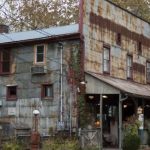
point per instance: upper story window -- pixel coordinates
(106, 59)
(118, 39)
(40, 51)
(148, 72)
(139, 48)
(47, 91)
(129, 67)
(4, 62)
(11, 92)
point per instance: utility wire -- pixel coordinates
(1, 6)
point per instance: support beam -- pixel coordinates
(120, 123)
(101, 121)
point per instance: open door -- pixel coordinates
(110, 130)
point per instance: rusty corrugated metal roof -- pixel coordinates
(133, 88)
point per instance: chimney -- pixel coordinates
(4, 28)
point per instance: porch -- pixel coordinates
(112, 104)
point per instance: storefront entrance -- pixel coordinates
(108, 122)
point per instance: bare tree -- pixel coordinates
(33, 14)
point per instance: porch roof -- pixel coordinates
(132, 88)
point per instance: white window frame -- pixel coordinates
(106, 60)
(44, 54)
(129, 67)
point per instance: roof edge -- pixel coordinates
(128, 11)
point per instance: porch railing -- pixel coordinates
(90, 138)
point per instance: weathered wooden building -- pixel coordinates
(117, 68)
(36, 70)
(114, 46)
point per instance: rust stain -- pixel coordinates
(108, 10)
(139, 68)
(108, 24)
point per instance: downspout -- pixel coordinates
(120, 119)
(60, 45)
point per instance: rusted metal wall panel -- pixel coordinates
(94, 88)
(102, 21)
(29, 88)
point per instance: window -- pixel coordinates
(106, 60)
(148, 71)
(40, 53)
(11, 92)
(4, 62)
(139, 48)
(118, 39)
(47, 91)
(129, 67)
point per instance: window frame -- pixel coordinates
(44, 54)
(108, 48)
(148, 81)
(11, 97)
(43, 86)
(4, 61)
(131, 67)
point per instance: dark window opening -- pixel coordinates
(4, 61)
(128, 109)
(47, 91)
(12, 93)
(40, 53)
(146, 115)
(118, 39)
(139, 48)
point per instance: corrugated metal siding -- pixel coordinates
(102, 21)
(29, 88)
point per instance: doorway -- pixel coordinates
(110, 120)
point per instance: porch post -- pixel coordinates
(101, 121)
(120, 123)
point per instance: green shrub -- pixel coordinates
(11, 146)
(61, 144)
(131, 142)
(91, 148)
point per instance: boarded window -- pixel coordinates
(148, 71)
(106, 60)
(129, 66)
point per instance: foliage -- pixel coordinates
(33, 14)
(91, 148)
(140, 8)
(14, 145)
(60, 144)
(131, 139)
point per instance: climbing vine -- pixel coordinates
(76, 75)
